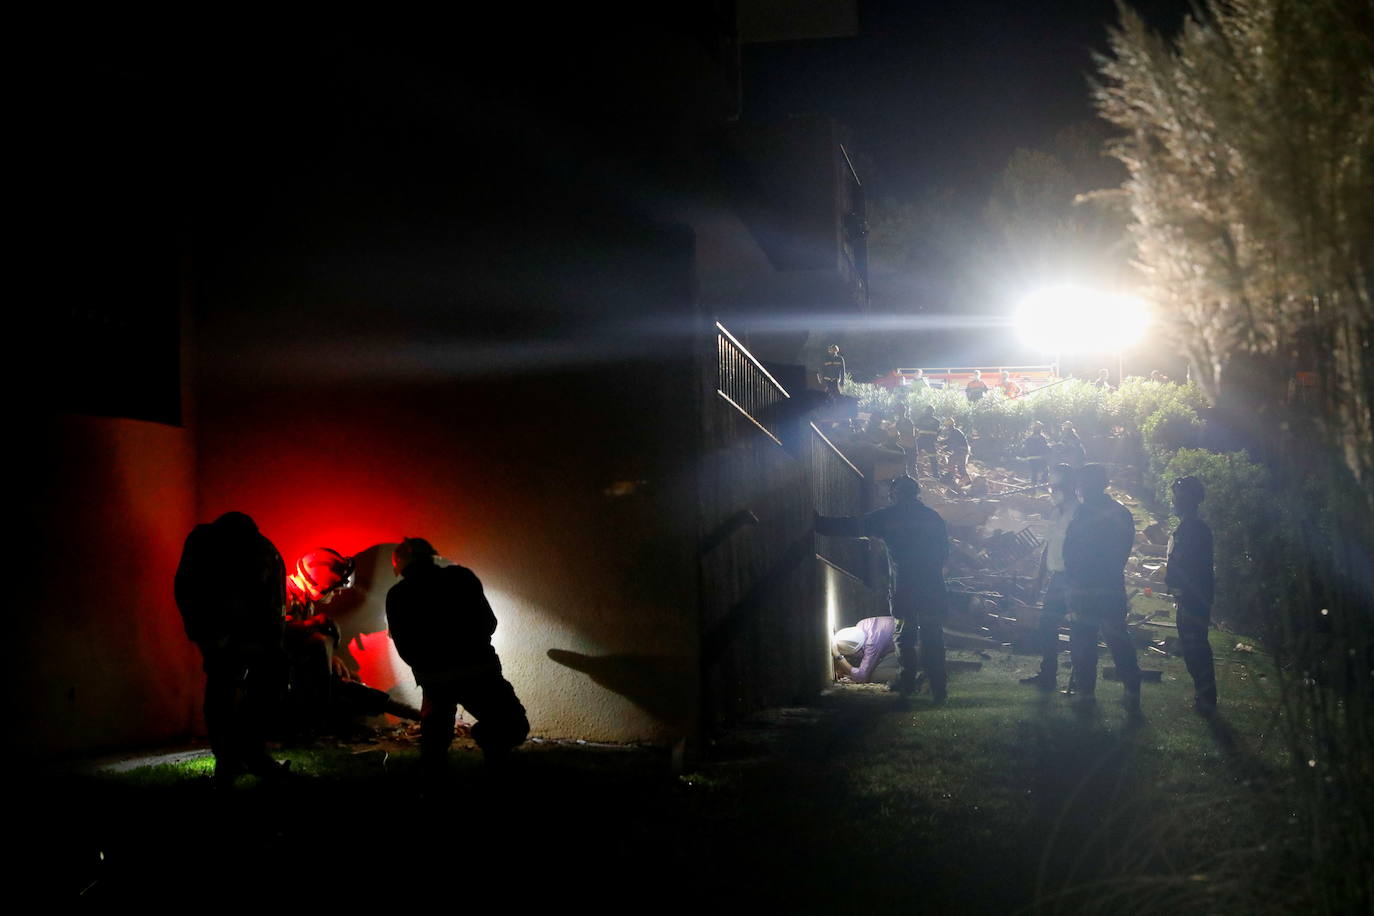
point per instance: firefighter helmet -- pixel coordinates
(321, 572)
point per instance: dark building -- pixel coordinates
(456, 279)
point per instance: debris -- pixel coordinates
(1244, 647)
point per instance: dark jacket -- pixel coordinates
(955, 440)
(1035, 446)
(440, 619)
(230, 586)
(1189, 571)
(916, 538)
(1098, 543)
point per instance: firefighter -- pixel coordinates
(831, 376)
(917, 550)
(1036, 449)
(956, 447)
(230, 587)
(1189, 578)
(927, 427)
(442, 624)
(323, 693)
(1096, 547)
(976, 387)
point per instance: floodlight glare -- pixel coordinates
(1067, 319)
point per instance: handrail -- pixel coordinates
(744, 383)
(834, 448)
(758, 365)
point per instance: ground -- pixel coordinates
(1004, 800)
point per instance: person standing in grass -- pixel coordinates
(1189, 578)
(230, 587)
(1096, 547)
(1055, 606)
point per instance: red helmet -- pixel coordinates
(320, 572)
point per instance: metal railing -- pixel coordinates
(744, 382)
(838, 490)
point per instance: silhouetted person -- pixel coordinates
(442, 624)
(1096, 547)
(917, 549)
(1070, 449)
(858, 650)
(976, 387)
(927, 427)
(832, 371)
(231, 589)
(956, 447)
(1190, 579)
(1054, 608)
(1036, 448)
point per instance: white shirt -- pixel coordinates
(1059, 526)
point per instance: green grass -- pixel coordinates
(1004, 800)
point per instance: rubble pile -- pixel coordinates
(995, 579)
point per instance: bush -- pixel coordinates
(1168, 429)
(1139, 398)
(1000, 423)
(1250, 530)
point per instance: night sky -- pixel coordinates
(942, 93)
(227, 132)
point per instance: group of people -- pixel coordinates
(1090, 540)
(267, 643)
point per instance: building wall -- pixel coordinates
(532, 484)
(102, 659)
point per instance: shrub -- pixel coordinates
(1139, 398)
(1250, 530)
(1168, 429)
(1000, 423)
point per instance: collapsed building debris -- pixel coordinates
(995, 580)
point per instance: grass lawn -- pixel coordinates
(1005, 800)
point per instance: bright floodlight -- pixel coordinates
(1066, 319)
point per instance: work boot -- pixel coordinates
(906, 683)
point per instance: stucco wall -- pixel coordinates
(103, 660)
(557, 491)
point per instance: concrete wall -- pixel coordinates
(532, 483)
(102, 659)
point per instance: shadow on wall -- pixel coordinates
(654, 683)
(360, 613)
